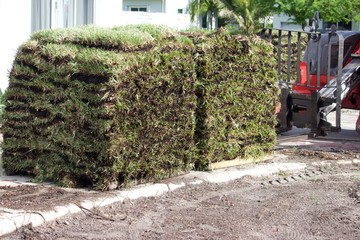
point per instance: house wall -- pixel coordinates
(15, 25)
(283, 21)
(84, 12)
(172, 6)
(109, 13)
(177, 21)
(355, 26)
(153, 6)
(279, 22)
(164, 6)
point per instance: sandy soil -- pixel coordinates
(322, 202)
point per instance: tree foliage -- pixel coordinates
(298, 10)
(330, 10)
(338, 10)
(247, 13)
(208, 8)
(1, 97)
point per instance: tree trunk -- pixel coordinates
(209, 20)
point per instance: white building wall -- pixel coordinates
(355, 26)
(15, 25)
(109, 13)
(164, 6)
(283, 21)
(177, 21)
(172, 6)
(154, 6)
(81, 15)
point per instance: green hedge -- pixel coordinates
(94, 106)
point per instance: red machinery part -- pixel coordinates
(278, 108)
(358, 124)
(304, 87)
(352, 100)
(357, 49)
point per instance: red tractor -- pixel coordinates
(325, 79)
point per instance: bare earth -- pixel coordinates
(322, 202)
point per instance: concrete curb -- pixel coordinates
(11, 220)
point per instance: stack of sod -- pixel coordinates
(236, 98)
(95, 106)
(91, 105)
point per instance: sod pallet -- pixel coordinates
(236, 99)
(94, 106)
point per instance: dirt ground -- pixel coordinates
(42, 197)
(322, 202)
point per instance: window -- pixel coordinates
(61, 13)
(138, 9)
(40, 15)
(84, 11)
(180, 11)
